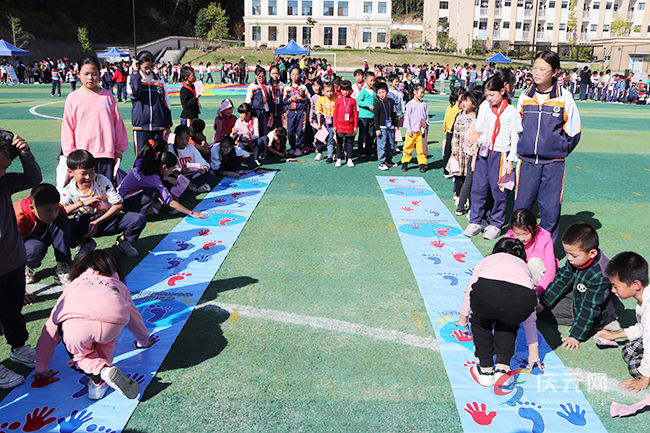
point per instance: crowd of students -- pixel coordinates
(491, 149)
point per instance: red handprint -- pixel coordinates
(416, 202)
(407, 209)
(480, 415)
(225, 221)
(236, 194)
(42, 381)
(207, 245)
(438, 244)
(219, 200)
(393, 180)
(442, 231)
(461, 336)
(460, 257)
(204, 232)
(36, 420)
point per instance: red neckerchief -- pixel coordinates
(586, 265)
(359, 87)
(228, 127)
(263, 88)
(497, 124)
(191, 89)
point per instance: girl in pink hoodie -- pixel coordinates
(88, 317)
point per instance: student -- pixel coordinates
(56, 80)
(296, 102)
(190, 161)
(189, 98)
(409, 87)
(453, 109)
(71, 77)
(42, 222)
(277, 88)
(198, 140)
(88, 316)
(325, 115)
(276, 142)
(628, 273)
(92, 121)
(260, 97)
(501, 297)
(224, 121)
(416, 121)
(97, 208)
(499, 128)
(151, 115)
(345, 124)
(316, 87)
(209, 78)
(120, 80)
(396, 95)
(551, 130)
(358, 83)
(385, 122)
(246, 132)
(12, 267)
(579, 295)
(538, 243)
(226, 159)
(365, 104)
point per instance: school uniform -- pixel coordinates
(277, 91)
(254, 143)
(271, 140)
(260, 97)
(150, 113)
(231, 162)
(141, 192)
(190, 103)
(296, 116)
(223, 126)
(385, 122)
(120, 80)
(56, 82)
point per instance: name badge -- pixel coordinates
(347, 117)
(389, 123)
(328, 120)
(483, 151)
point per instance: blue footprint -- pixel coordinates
(432, 258)
(158, 312)
(452, 278)
(531, 413)
(95, 427)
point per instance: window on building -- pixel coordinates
(306, 36)
(565, 4)
(482, 25)
(518, 25)
(444, 5)
(257, 7)
(476, 2)
(506, 24)
(648, 28)
(606, 27)
(381, 34)
(343, 9)
(292, 7)
(593, 27)
(615, 7)
(367, 7)
(273, 33)
(507, 3)
(641, 6)
(292, 33)
(306, 7)
(595, 5)
(257, 33)
(343, 36)
(273, 7)
(381, 8)
(608, 5)
(475, 24)
(328, 8)
(551, 5)
(549, 26)
(562, 26)
(367, 34)
(327, 36)
(520, 3)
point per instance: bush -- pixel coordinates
(398, 40)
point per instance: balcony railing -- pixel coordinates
(525, 34)
(484, 12)
(542, 13)
(498, 12)
(496, 34)
(528, 12)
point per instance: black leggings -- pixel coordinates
(342, 140)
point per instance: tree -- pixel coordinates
(20, 36)
(620, 26)
(398, 40)
(84, 40)
(572, 24)
(445, 43)
(211, 22)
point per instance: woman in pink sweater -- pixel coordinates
(92, 121)
(88, 317)
(538, 243)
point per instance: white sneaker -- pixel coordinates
(85, 246)
(203, 188)
(97, 392)
(29, 275)
(61, 274)
(501, 370)
(318, 156)
(126, 248)
(9, 379)
(24, 355)
(491, 232)
(350, 163)
(456, 200)
(338, 163)
(483, 379)
(120, 382)
(472, 230)
(383, 167)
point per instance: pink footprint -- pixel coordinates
(171, 282)
(392, 180)
(407, 209)
(225, 221)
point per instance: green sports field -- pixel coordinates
(321, 246)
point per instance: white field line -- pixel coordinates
(33, 110)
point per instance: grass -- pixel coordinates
(321, 244)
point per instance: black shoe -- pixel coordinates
(405, 166)
(423, 168)
(329, 160)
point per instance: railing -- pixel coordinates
(497, 12)
(525, 35)
(585, 15)
(542, 13)
(496, 34)
(528, 12)
(540, 35)
(484, 12)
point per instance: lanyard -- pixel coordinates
(263, 88)
(346, 106)
(384, 106)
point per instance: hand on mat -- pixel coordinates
(152, 340)
(198, 215)
(533, 363)
(636, 385)
(45, 374)
(30, 299)
(570, 343)
(462, 322)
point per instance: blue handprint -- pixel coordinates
(182, 245)
(432, 212)
(83, 381)
(469, 271)
(574, 415)
(76, 420)
(137, 377)
(203, 258)
(173, 262)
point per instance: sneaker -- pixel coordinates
(383, 167)
(456, 200)
(392, 164)
(120, 382)
(85, 246)
(9, 379)
(405, 166)
(482, 378)
(61, 274)
(423, 168)
(350, 163)
(97, 392)
(126, 248)
(500, 371)
(329, 160)
(491, 232)
(203, 188)
(29, 275)
(24, 355)
(338, 163)
(472, 230)
(318, 156)
(461, 211)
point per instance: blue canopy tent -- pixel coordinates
(498, 58)
(113, 52)
(291, 49)
(6, 49)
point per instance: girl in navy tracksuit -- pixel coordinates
(277, 89)
(296, 102)
(551, 130)
(260, 96)
(150, 114)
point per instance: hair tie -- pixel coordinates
(151, 142)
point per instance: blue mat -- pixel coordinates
(442, 260)
(166, 285)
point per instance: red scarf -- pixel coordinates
(263, 88)
(497, 124)
(191, 89)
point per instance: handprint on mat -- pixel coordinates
(42, 381)
(460, 257)
(76, 420)
(416, 202)
(452, 278)
(407, 208)
(182, 245)
(573, 414)
(462, 336)
(38, 419)
(209, 244)
(12, 426)
(433, 258)
(443, 231)
(204, 232)
(438, 244)
(173, 262)
(393, 180)
(415, 226)
(225, 221)
(171, 282)
(479, 414)
(203, 258)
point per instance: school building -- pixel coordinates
(318, 23)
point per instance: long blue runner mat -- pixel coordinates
(442, 260)
(166, 286)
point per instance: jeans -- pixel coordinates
(56, 85)
(385, 143)
(330, 141)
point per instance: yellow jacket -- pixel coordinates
(450, 116)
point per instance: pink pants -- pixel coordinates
(91, 343)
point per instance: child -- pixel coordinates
(316, 89)
(97, 208)
(226, 158)
(42, 222)
(345, 123)
(501, 297)
(448, 124)
(396, 95)
(385, 122)
(150, 112)
(276, 142)
(628, 273)
(544, 145)
(198, 140)
(190, 161)
(416, 121)
(71, 77)
(12, 267)
(460, 147)
(260, 97)
(224, 121)
(358, 83)
(579, 295)
(538, 243)
(189, 98)
(365, 104)
(88, 316)
(325, 114)
(246, 132)
(277, 88)
(56, 80)
(296, 102)
(92, 121)
(499, 128)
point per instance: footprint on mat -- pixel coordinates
(171, 282)
(529, 411)
(158, 312)
(96, 428)
(432, 258)
(452, 278)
